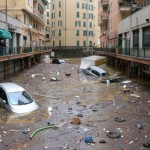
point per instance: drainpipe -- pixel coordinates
(6, 11)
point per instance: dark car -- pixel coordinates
(57, 61)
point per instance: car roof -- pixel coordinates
(98, 69)
(11, 87)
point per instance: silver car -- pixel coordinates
(95, 71)
(16, 99)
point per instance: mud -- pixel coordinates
(95, 104)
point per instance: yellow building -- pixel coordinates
(31, 14)
(74, 23)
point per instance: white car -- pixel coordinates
(95, 71)
(16, 99)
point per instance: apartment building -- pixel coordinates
(22, 31)
(74, 23)
(125, 35)
(47, 25)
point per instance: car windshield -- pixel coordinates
(19, 98)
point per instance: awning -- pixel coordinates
(5, 34)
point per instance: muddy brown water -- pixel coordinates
(71, 95)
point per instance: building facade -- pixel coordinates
(125, 35)
(22, 35)
(74, 23)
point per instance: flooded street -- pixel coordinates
(78, 106)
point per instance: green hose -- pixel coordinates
(40, 129)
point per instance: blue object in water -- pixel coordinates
(88, 139)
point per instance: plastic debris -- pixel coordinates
(124, 82)
(88, 139)
(26, 131)
(80, 115)
(135, 95)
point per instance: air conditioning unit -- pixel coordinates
(11, 27)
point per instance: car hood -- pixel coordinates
(20, 109)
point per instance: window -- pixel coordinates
(78, 5)
(84, 24)
(47, 13)
(47, 6)
(84, 6)
(47, 36)
(59, 43)
(84, 15)
(25, 19)
(78, 15)
(91, 16)
(53, 33)
(59, 13)
(90, 24)
(53, 15)
(84, 33)
(84, 43)
(59, 32)
(59, 3)
(135, 38)
(60, 23)
(78, 33)
(53, 6)
(90, 33)
(47, 29)
(53, 24)
(77, 23)
(90, 43)
(146, 36)
(90, 7)
(47, 21)
(53, 43)
(78, 43)
(96, 72)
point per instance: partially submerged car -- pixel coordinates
(57, 61)
(16, 99)
(95, 71)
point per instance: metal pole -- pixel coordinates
(6, 11)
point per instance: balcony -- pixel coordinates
(104, 18)
(104, 3)
(39, 16)
(125, 5)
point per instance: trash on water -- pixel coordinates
(76, 121)
(54, 79)
(124, 82)
(102, 141)
(1, 138)
(88, 139)
(114, 135)
(50, 110)
(43, 78)
(146, 145)
(135, 95)
(124, 86)
(119, 119)
(26, 131)
(13, 130)
(139, 126)
(130, 142)
(80, 115)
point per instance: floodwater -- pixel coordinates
(95, 104)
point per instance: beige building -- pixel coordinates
(74, 23)
(47, 24)
(31, 14)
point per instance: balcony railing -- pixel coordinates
(104, 3)
(6, 51)
(136, 52)
(104, 17)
